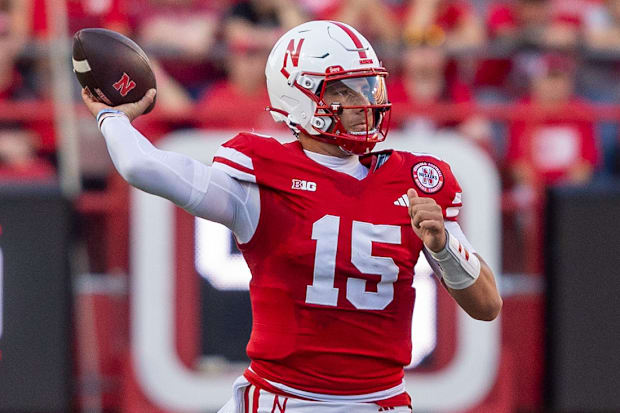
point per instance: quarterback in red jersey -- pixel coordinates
(330, 230)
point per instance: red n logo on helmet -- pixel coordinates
(294, 52)
(124, 85)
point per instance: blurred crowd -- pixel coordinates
(547, 63)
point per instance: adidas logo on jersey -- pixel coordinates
(304, 185)
(402, 200)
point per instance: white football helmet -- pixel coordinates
(302, 65)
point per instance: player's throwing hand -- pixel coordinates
(427, 221)
(132, 110)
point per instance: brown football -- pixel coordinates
(112, 67)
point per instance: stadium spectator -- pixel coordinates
(558, 147)
(602, 26)
(521, 28)
(599, 74)
(429, 81)
(552, 142)
(181, 35)
(509, 27)
(19, 160)
(239, 101)
(451, 23)
(263, 21)
(564, 32)
(19, 146)
(534, 23)
(111, 14)
(13, 36)
(376, 20)
(14, 16)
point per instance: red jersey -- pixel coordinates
(332, 263)
(552, 146)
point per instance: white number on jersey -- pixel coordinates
(226, 271)
(322, 290)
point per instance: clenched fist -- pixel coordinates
(427, 221)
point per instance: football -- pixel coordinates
(111, 67)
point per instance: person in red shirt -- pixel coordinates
(521, 26)
(451, 23)
(378, 20)
(429, 81)
(19, 145)
(426, 80)
(543, 23)
(330, 230)
(557, 147)
(111, 14)
(19, 160)
(241, 99)
(181, 35)
(260, 21)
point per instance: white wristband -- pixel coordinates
(106, 113)
(458, 267)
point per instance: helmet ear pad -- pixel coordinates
(322, 123)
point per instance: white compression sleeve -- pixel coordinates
(454, 228)
(201, 190)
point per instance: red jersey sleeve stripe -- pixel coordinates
(246, 399)
(256, 398)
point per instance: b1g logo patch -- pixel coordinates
(427, 177)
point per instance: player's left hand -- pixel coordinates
(427, 221)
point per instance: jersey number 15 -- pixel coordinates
(322, 291)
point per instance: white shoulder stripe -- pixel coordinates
(235, 156)
(451, 212)
(81, 66)
(235, 173)
(427, 154)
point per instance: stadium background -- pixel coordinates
(530, 84)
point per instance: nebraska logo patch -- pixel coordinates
(427, 176)
(124, 84)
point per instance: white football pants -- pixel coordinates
(266, 402)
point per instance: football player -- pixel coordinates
(330, 230)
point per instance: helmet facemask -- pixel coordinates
(352, 109)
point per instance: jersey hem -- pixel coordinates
(385, 394)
